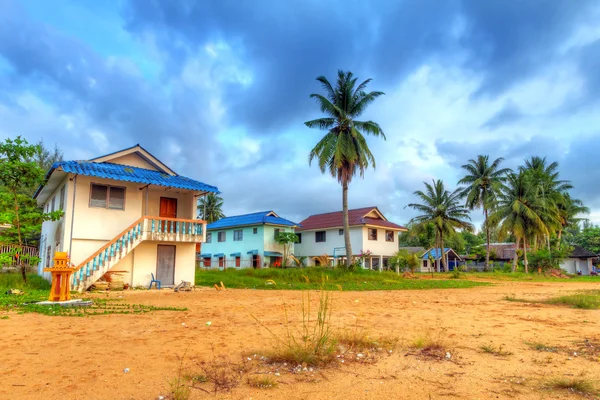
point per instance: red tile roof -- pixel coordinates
(335, 219)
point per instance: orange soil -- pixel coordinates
(84, 358)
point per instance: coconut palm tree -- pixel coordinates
(520, 212)
(544, 177)
(441, 208)
(483, 184)
(343, 151)
(568, 211)
(210, 208)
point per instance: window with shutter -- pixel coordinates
(116, 198)
(98, 196)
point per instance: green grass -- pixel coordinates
(541, 347)
(314, 278)
(519, 276)
(37, 289)
(574, 385)
(589, 300)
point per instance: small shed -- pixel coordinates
(429, 260)
(580, 260)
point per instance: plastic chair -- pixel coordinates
(156, 283)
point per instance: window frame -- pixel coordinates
(236, 233)
(369, 234)
(61, 202)
(53, 204)
(254, 231)
(108, 188)
(219, 237)
(317, 236)
(341, 232)
(208, 237)
(276, 233)
(388, 232)
(299, 238)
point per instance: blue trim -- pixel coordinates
(238, 254)
(218, 255)
(206, 255)
(273, 254)
(253, 252)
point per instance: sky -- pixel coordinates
(219, 90)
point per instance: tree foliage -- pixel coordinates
(343, 151)
(210, 208)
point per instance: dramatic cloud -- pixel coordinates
(219, 89)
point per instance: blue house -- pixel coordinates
(245, 241)
(432, 260)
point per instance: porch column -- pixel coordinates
(380, 263)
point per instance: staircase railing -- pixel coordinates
(147, 227)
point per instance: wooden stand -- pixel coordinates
(61, 277)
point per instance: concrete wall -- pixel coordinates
(133, 160)
(379, 247)
(141, 263)
(572, 265)
(55, 234)
(186, 202)
(311, 248)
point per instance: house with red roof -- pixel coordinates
(371, 234)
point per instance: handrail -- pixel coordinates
(108, 244)
(129, 228)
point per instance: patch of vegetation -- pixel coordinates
(314, 344)
(360, 340)
(222, 373)
(541, 347)
(578, 386)
(37, 289)
(588, 301)
(429, 348)
(496, 351)
(335, 279)
(262, 382)
(526, 277)
(515, 299)
(178, 386)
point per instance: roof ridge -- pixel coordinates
(334, 212)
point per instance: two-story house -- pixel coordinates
(245, 241)
(125, 211)
(370, 233)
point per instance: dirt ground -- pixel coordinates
(85, 358)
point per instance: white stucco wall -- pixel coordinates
(310, 248)
(133, 160)
(142, 262)
(380, 247)
(50, 229)
(572, 265)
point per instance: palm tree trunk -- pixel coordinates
(346, 224)
(436, 262)
(559, 239)
(516, 258)
(444, 264)
(525, 256)
(487, 234)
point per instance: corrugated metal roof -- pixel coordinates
(273, 254)
(238, 254)
(436, 253)
(355, 217)
(129, 174)
(259, 218)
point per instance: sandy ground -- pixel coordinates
(85, 358)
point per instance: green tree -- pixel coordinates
(210, 208)
(343, 151)
(569, 210)
(520, 212)
(441, 208)
(483, 185)
(286, 239)
(589, 238)
(19, 173)
(418, 236)
(402, 259)
(45, 157)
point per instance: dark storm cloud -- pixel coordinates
(508, 114)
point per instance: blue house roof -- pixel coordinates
(259, 218)
(128, 174)
(436, 253)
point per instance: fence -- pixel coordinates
(21, 255)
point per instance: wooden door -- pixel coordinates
(168, 209)
(165, 264)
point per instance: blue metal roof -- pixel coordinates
(253, 252)
(238, 254)
(436, 253)
(205, 255)
(259, 218)
(128, 174)
(272, 254)
(218, 255)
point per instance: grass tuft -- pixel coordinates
(430, 348)
(574, 385)
(262, 382)
(541, 347)
(496, 351)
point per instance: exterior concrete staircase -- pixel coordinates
(170, 230)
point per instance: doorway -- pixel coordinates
(168, 209)
(165, 264)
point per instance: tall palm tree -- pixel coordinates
(484, 183)
(441, 208)
(544, 177)
(343, 151)
(209, 208)
(568, 211)
(520, 212)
